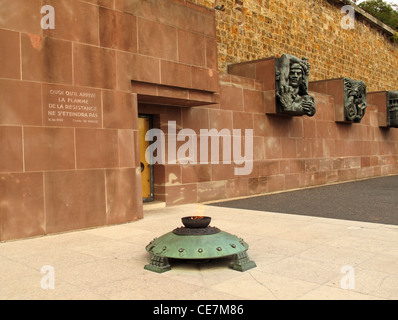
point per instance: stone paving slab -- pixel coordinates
(298, 257)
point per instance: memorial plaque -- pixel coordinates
(71, 107)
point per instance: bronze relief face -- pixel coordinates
(292, 86)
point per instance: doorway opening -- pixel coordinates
(145, 123)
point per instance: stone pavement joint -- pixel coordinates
(297, 256)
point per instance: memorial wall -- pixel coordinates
(76, 77)
(254, 29)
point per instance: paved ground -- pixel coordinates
(373, 200)
(297, 256)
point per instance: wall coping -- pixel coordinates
(368, 17)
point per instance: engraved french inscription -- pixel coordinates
(71, 107)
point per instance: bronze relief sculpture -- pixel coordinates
(292, 95)
(355, 101)
(392, 109)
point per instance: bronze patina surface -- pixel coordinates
(198, 244)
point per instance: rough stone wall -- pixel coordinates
(306, 28)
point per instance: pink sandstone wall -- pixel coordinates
(60, 172)
(64, 171)
(289, 152)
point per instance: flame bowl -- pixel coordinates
(196, 222)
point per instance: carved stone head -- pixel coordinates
(392, 109)
(355, 100)
(292, 96)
